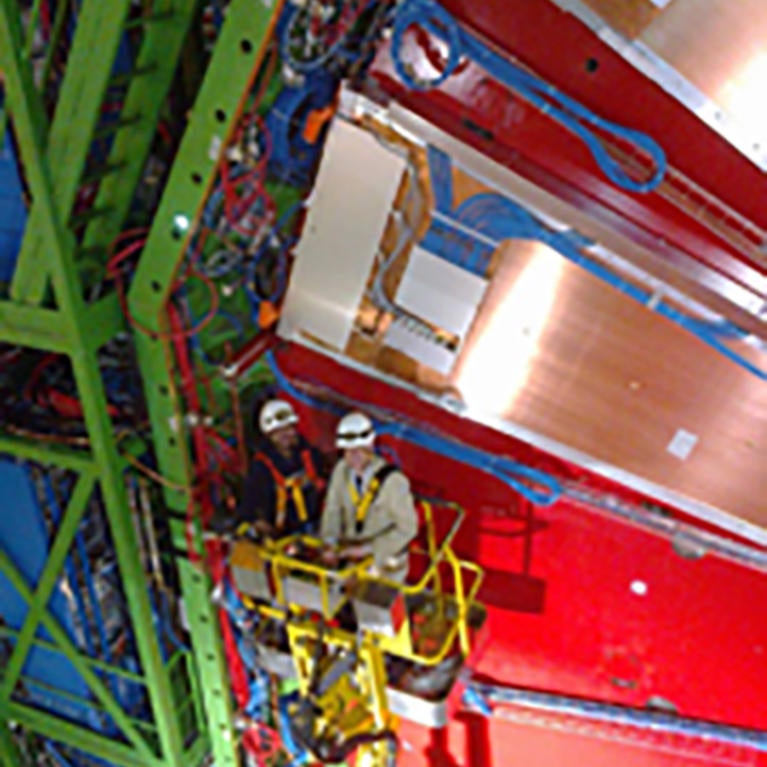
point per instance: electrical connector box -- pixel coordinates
(249, 571)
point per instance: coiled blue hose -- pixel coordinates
(538, 487)
(430, 16)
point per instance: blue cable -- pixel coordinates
(430, 16)
(56, 755)
(69, 567)
(93, 597)
(441, 169)
(165, 622)
(501, 219)
(286, 243)
(286, 731)
(508, 471)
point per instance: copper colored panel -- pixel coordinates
(569, 358)
(629, 17)
(719, 46)
(561, 353)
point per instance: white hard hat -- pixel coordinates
(355, 430)
(276, 414)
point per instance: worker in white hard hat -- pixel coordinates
(283, 490)
(369, 508)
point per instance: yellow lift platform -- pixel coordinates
(364, 650)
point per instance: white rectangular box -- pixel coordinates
(353, 196)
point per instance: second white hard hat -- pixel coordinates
(276, 414)
(355, 430)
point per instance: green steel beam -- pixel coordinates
(57, 29)
(15, 33)
(34, 20)
(34, 327)
(61, 638)
(31, 449)
(106, 320)
(59, 245)
(9, 754)
(197, 752)
(76, 736)
(159, 54)
(97, 36)
(48, 580)
(236, 57)
(96, 665)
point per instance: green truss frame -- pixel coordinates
(48, 268)
(238, 54)
(47, 275)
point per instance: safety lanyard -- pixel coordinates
(293, 485)
(363, 502)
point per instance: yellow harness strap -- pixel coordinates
(293, 485)
(363, 502)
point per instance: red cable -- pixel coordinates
(117, 276)
(217, 563)
(37, 371)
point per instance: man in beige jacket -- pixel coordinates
(369, 509)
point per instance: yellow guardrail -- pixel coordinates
(281, 555)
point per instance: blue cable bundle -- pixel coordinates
(430, 16)
(536, 486)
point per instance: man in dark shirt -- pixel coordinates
(283, 490)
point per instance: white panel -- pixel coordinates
(419, 348)
(353, 195)
(440, 292)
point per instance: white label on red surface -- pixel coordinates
(682, 444)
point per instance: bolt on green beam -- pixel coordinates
(59, 245)
(60, 637)
(97, 36)
(238, 53)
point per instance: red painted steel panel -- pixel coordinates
(519, 136)
(557, 46)
(582, 604)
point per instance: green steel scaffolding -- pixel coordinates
(46, 309)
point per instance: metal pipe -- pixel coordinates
(478, 696)
(90, 662)
(144, 506)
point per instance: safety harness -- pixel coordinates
(363, 502)
(292, 486)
